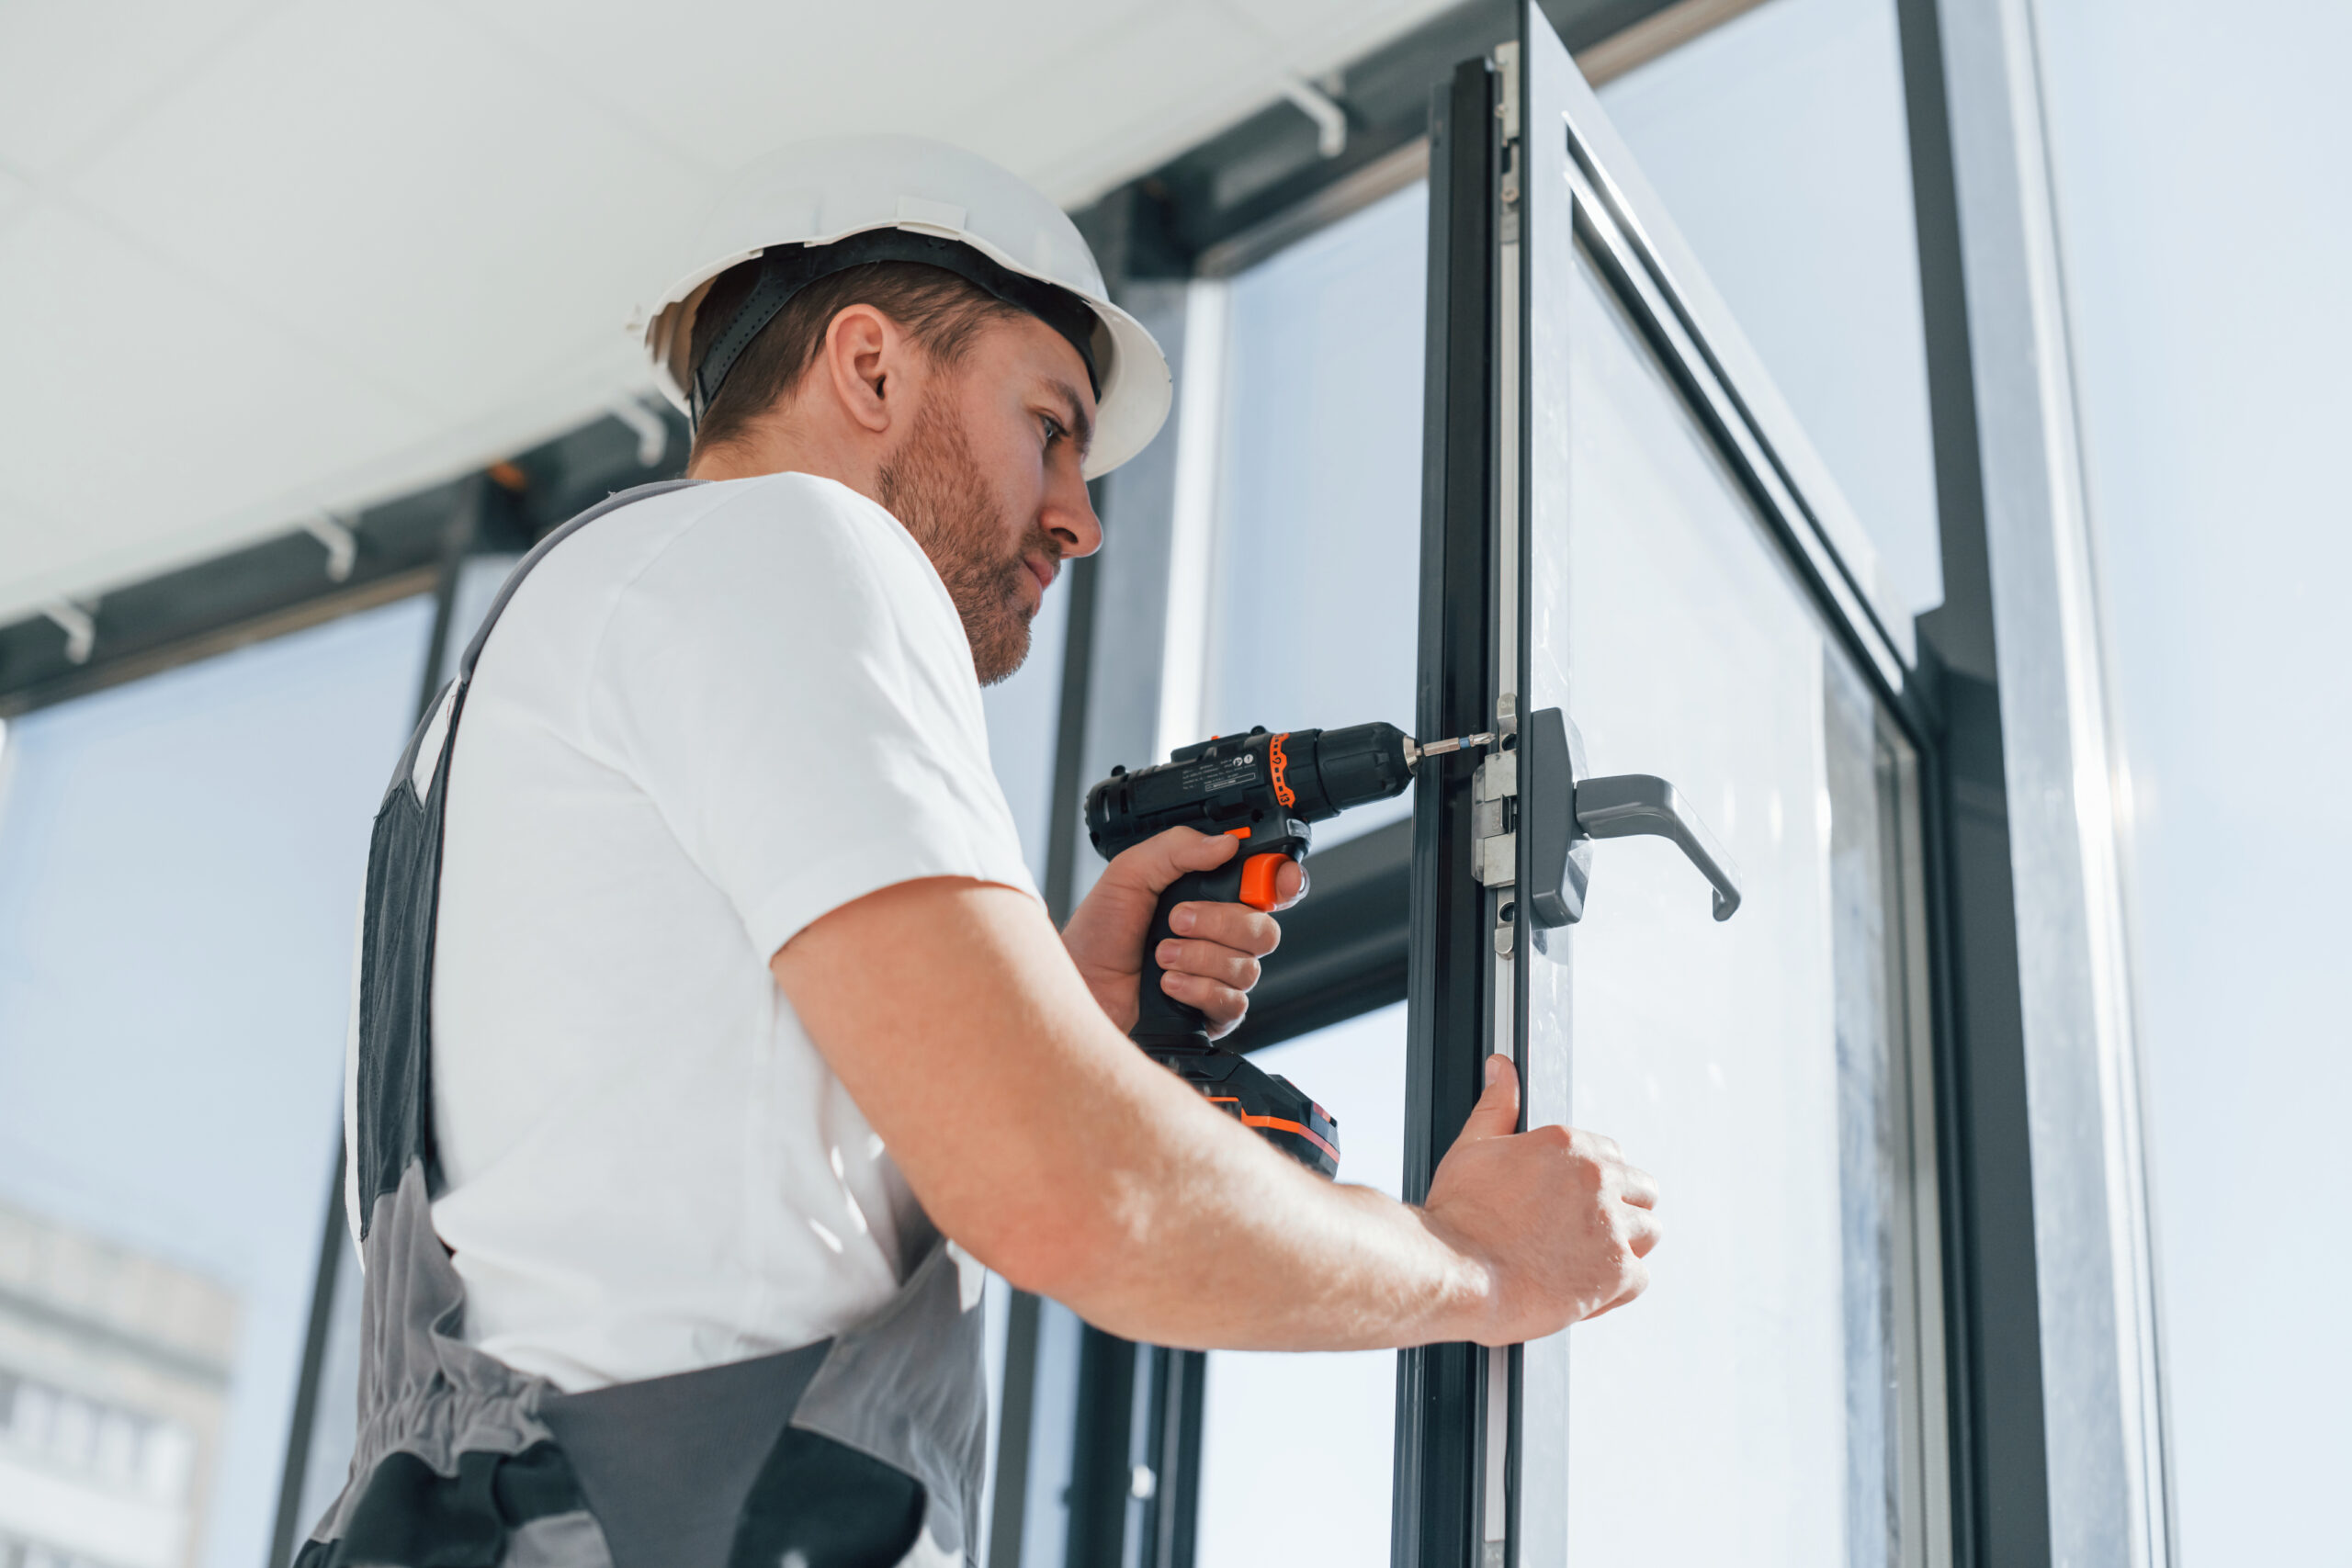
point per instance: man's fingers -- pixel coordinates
(1601, 1146)
(1236, 926)
(1643, 1231)
(1636, 1281)
(1640, 1187)
(1208, 961)
(1290, 884)
(1497, 1113)
(1223, 1005)
(1159, 860)
(1188, 849)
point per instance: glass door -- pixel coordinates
(1752, 1407)
(1626, 580)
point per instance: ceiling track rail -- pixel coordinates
(323, 567)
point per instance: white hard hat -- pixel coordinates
(939, 198)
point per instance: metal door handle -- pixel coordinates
(1561, 812)
(1626, 806)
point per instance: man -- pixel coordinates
(711, 1035)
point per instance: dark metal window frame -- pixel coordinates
(1995, 1409)
(1698, 347)
(1441, 1390)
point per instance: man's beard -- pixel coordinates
(934, 487)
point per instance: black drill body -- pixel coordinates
(1267, 790)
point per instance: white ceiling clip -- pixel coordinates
(652, 432)
(1330, 119)
(342, 544)
(81, 631)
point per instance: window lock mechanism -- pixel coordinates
(1539, 790)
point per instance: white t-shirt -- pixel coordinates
(704, 721)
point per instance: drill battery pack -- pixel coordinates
(1267, 1103)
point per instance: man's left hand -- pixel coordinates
(1212, 961)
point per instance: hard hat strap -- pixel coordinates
(786, 270)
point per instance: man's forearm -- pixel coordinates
(1043, 1141)
(1232, 1245)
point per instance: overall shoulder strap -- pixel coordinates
(612, 503)
(454, 701)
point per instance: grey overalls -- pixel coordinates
(863, 1449)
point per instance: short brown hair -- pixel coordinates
(940, 311)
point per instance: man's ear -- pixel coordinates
(863, 349)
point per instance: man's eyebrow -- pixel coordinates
(1082, 428)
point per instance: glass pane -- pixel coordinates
(1024, 714)
(180, 865)
(1297, 1452)
(1045, 1524)
(334, 1421)
(997, 1302)
(1756, 1406)
(2208, 374)
(1778, 142)
(1886, 1198)
(1317, 586)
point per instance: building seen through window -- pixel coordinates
(114, 1368)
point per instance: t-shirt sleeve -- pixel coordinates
(789, 683)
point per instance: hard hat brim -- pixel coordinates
(1136, 387)
(1136, 392)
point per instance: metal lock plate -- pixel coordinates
(1494, 797)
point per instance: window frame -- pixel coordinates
(1503, 231)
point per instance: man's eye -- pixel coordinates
(1054, 431)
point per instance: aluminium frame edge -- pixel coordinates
(1439, 1389)
(2108, 1486)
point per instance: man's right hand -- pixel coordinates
(1559, 1220)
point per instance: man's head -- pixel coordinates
(967, 416)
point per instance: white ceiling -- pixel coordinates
(260, 258)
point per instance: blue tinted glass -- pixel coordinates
(1317, 589)
(1299, 1451)
(2210, 360)
(1778, 142)
(1771, 1399)
(1024, 713)
(180, 869)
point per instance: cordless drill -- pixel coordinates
(1264, 790)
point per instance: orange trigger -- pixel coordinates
(1258, 875)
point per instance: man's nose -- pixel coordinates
(1069, 516)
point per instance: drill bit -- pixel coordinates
(1415, 751)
